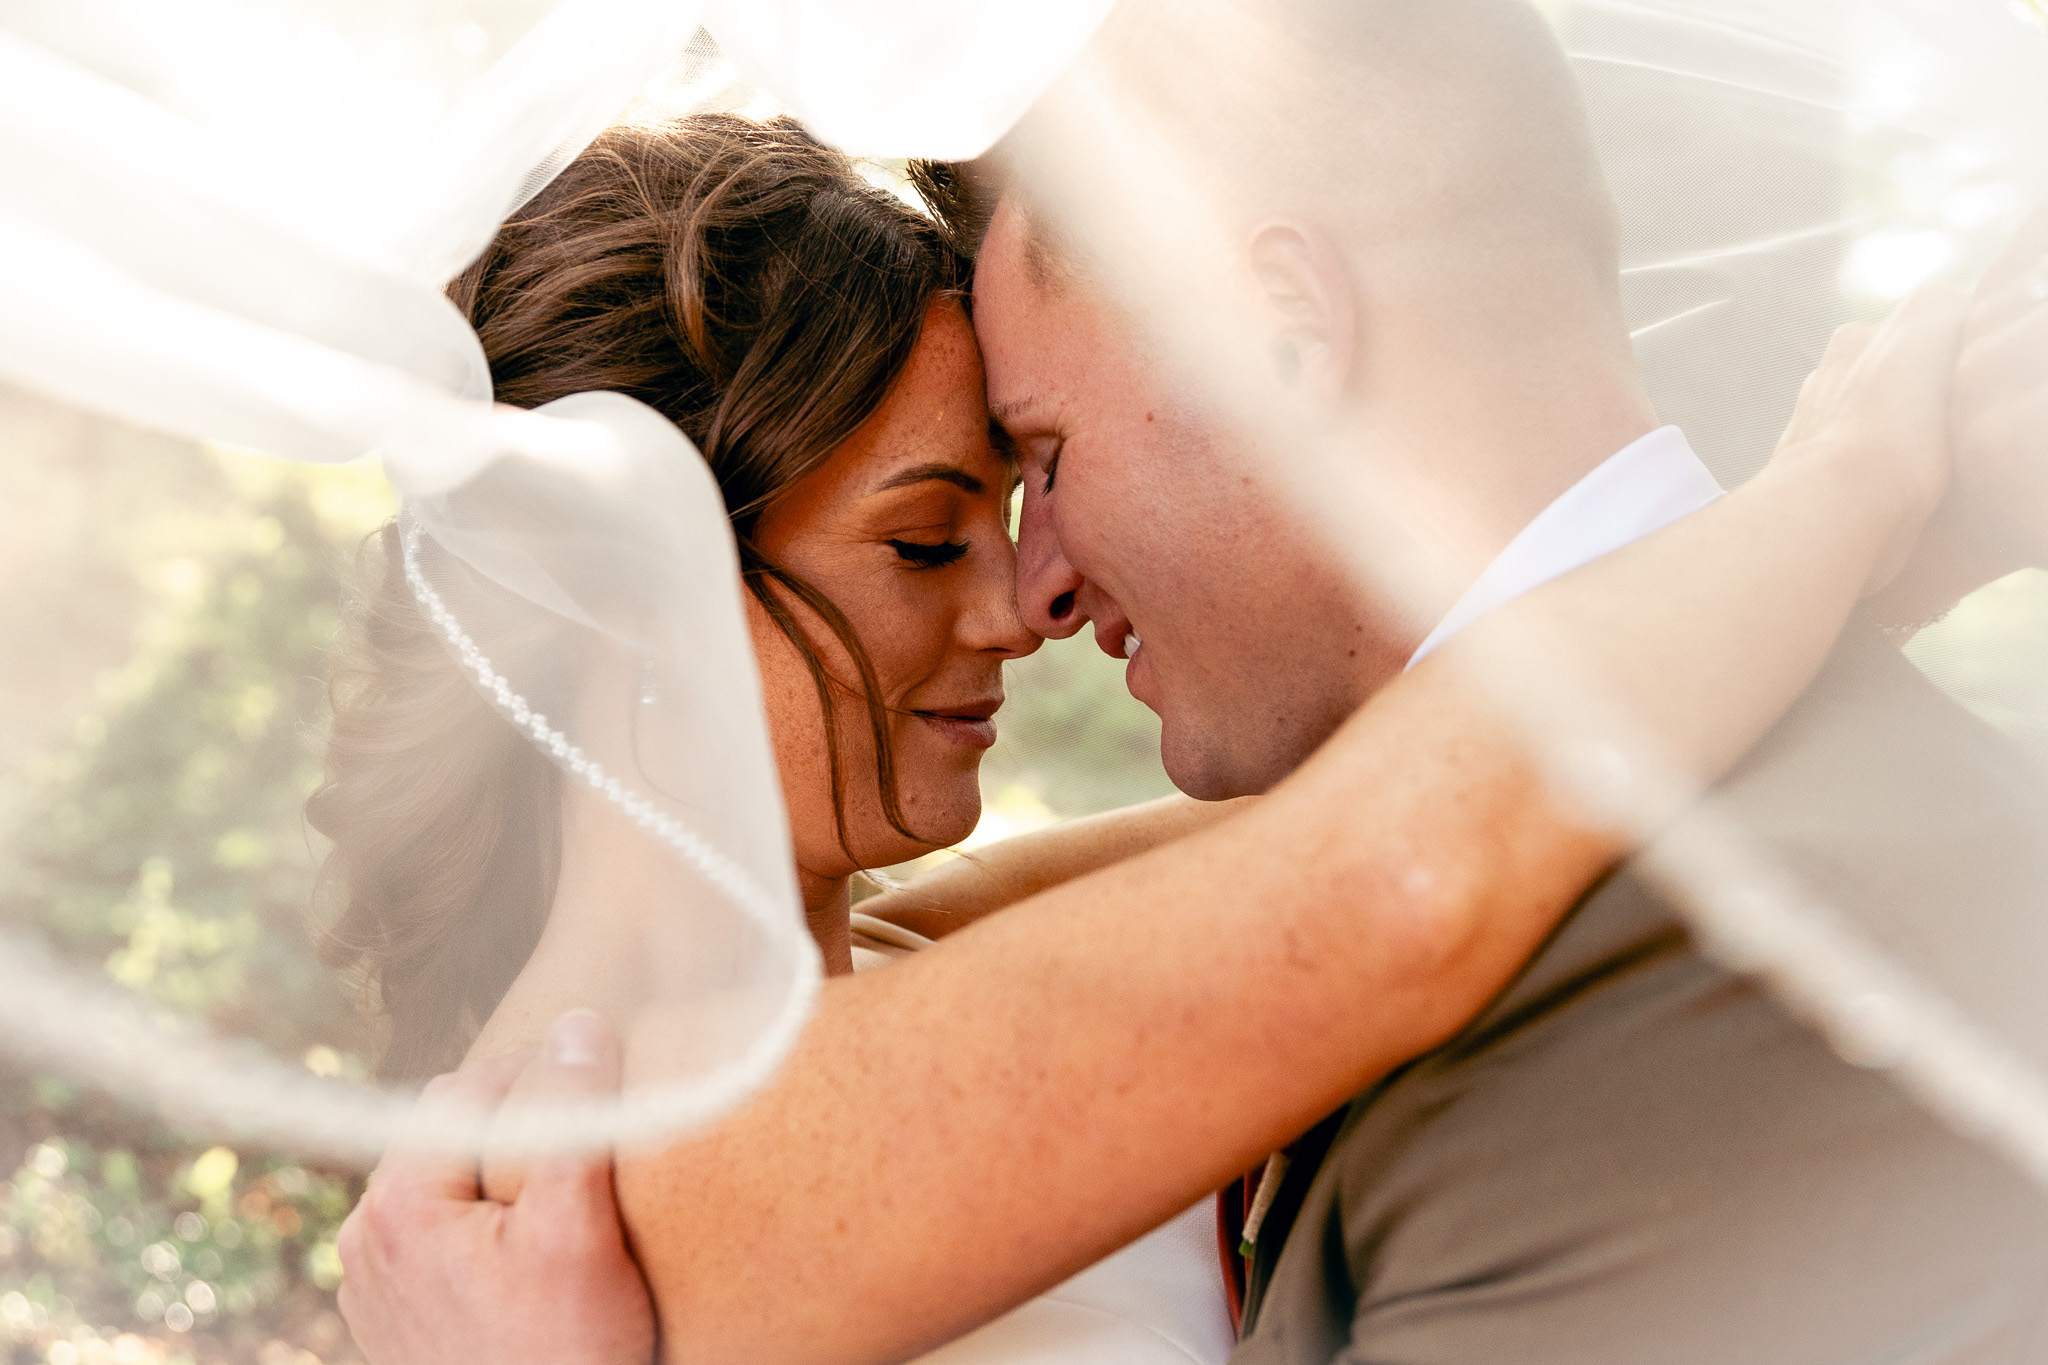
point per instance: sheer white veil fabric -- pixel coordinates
(179, 277)
(1779, 170)
(176, 270)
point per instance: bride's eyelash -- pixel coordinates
(1052, 469)
(922, 556)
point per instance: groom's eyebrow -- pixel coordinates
(927, 473)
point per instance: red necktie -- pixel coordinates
(1233, 1203)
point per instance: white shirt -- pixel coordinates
(1644, 487)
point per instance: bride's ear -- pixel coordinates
(1306, 307)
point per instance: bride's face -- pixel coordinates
(905, 530)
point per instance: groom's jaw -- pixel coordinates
(1498, 372)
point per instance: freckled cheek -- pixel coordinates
(895, 618)
(908, 634)
(796, 730)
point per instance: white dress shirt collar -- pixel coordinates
(1647, 485)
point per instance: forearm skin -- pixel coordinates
(996, 876)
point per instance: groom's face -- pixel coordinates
(1147, 516)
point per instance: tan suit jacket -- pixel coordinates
(1637, 1158)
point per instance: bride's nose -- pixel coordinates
(993, 624)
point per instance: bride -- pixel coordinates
(808, 332)
(809, 335)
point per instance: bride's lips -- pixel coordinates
(972, 724)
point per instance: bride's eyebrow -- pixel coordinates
(934, 472)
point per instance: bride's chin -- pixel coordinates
(951, 829)
(935, 822)
(941, 821)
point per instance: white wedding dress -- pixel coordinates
(1159, 1301)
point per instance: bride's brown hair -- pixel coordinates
(743, 280)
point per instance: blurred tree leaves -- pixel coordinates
(1991, 654)
(1072, 736)
(166, 839)
(180, 603)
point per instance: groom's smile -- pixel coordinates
(1148, 517)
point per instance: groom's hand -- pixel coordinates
(434, 1272)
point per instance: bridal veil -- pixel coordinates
(234, 222)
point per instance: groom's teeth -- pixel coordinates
(1131, 643)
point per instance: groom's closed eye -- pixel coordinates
(1004, 444)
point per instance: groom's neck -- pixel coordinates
(1473, 459)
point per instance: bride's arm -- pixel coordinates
(1987, 529)
(965, 888)
(970, 1126)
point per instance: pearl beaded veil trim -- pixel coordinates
(720, 870)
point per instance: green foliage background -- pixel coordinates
(153, 831)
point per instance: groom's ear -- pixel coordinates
(1306, 298)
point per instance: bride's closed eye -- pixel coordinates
(922, 556)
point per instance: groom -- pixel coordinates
(1633, 1155)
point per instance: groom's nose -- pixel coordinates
(1048, 588)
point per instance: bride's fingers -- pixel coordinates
(2008, 359)
(1926, 327)
(2018, 279)
(1877, 409)
(418, 1179)
(1822, 389)
(580, 1062)
(420, 1167)
(1884, 388)
(2000, 426)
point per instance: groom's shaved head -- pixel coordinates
(1450, 126)
(1383, 222)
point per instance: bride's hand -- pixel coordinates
(1995, 518)
(435, 1272)
(1875, 416)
